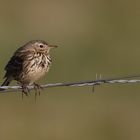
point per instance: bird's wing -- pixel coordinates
(18, 59)
(15, 64)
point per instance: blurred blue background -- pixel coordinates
(94, 36)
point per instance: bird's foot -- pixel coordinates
(37, 89)
(25, 90)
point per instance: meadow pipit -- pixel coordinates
(28, 64)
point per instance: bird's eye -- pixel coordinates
(41, 46)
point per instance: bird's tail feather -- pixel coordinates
(6, 82)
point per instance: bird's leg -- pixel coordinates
(25, 90)
(37, 88)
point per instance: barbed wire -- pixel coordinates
(123, 80)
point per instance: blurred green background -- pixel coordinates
(94, 36)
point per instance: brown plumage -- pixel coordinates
(28, 64)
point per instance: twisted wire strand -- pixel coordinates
(123, 80)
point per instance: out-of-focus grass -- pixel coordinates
(93, 37)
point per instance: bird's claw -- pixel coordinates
(37, 88)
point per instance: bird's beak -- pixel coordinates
(53, 46)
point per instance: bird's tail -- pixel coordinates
(5, 83)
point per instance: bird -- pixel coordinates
(28, 64)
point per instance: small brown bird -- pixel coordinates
(28, 64)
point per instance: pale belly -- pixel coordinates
(34, 75)
(35, 70)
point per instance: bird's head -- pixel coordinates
(39, 46)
